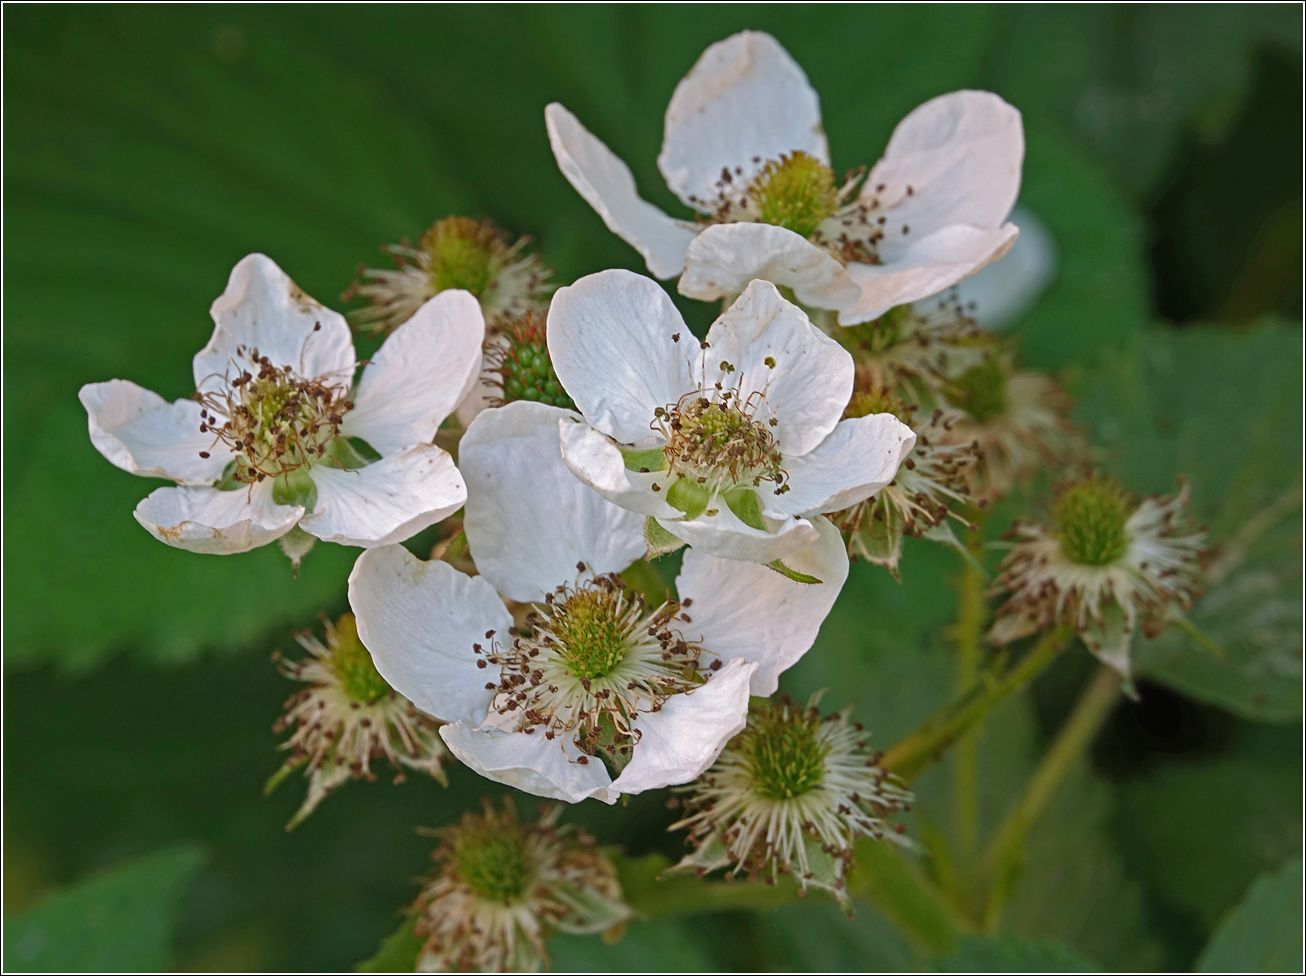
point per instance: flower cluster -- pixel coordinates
(844, 398)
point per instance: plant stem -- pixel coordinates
(972, 612)
(1002, 858)
(922, 748)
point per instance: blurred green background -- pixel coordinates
(148, 149)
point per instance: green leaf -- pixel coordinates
(398, 952)
(1008, 954)
(1264, 933)
(1198, 854)
(1222, 408)
(120, 919)
(663, 945)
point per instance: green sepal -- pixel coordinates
(344, 453)
(644, 459)
(295, 488)
(228, 480)
(792, 574)
(658, 540)
(689, 497)
(743, 501)
(398, 952)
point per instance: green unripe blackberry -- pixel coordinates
(523, 370)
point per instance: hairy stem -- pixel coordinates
(972, 613)
(1002, 859)
(922, 748)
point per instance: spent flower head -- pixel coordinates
(929, 488)
(744, 147)
(1017, 421)
(1106, 565)
(789, 795)
(347, 717)
(501, 889)
(456, 252)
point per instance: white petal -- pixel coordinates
(419, 620)
(749, 611)
(218, 522)
(745, 101)
(420, 374)
(607, 186)
(262, 308)
(530, 763)
(679, 742)
(140, 432)
(595, 460)
(807, 388)
(610, 339)
(387, 501)
(1006, 289)
(961, 154)
(725, 536)
(726, 257)
(925, 268)
(860, 457)
(529, 521)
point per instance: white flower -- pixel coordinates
(265, 444)
(743, 145)
(1105, 566)
(591, 678)
(733, 445)
(501, 888)
(790, 794)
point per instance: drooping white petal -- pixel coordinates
(745, 101)
(140, 432)
(206, 520)
(679, 741)
(595, 460)
(263, 309)
(752, 612)
(725, 536)
(807, 388)
(531, 763)
(607, 185)
(960, 154)
(419, 620)
(860, 457)
(915, 270)
(387, 501)
(529, 520)
(723, 259)
(610, 339)
(420, 374)
(1006, 289)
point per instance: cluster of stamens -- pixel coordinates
(715, 439)
(587, 661)
(801, 193)
(274, 421)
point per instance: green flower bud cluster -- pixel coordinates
(524, 370)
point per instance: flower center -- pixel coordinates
(492, 862)
(1090, 517)
(981, 391)
(797, 192)
(358, 675)
(783, 750)
(274, 422)
(522, 370)
(590, 659)
(464, 253)
(714, 443)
